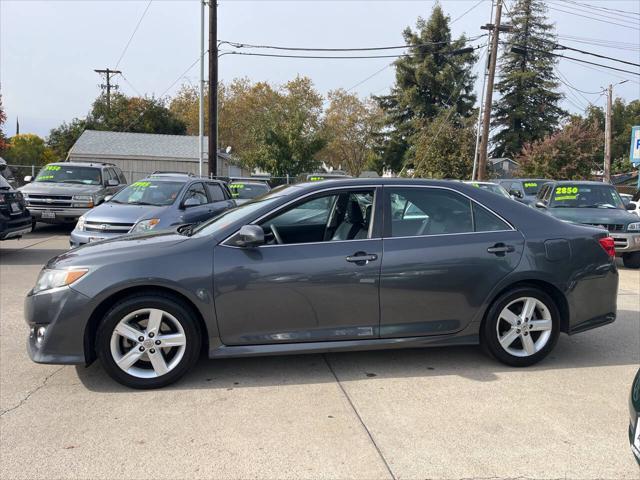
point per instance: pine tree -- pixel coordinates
(528, 107)
(430, 80)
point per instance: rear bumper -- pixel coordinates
(15, 227)
(626, 242)
(592, 299)
(60, 215)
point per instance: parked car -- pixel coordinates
(597, 204)
(15, 219)
(634, 417)
(626, 198)
(62, 192)
(157, 202)
(525, 190)
(491, 187)
(6, 173)
(243, 190)
(634, 207)
(268, 278)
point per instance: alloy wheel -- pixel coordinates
(148, 343)
(524, 326)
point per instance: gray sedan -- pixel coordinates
(327, 266)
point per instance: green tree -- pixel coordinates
(62, 138)
(349, 128)
(528, 108)
(570, 153)
(430, 79)
(28, 149)
(444, 149)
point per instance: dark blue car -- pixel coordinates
(160, 201)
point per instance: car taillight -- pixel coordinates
(608, 245)
(2, 198)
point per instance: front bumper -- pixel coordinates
(57, 215)
(15, 227)
(626, 242)
(64, 313)
(81, 237)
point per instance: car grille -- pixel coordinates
(54, 201)
(107, 227)
(612, 227)
(620, 242)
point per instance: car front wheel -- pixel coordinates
(148, 341)
(521, 327)
(631, 260)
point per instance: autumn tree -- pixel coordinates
(433, 77)
(350, 125)
(28, 149)
(571, 153)
(3, 119)
(528, 107)
(62, 138)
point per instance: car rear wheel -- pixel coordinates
(148, 341)
(521, 327)
(631, 260)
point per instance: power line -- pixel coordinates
(563, 47)
(600, 43)
(626, 12)
(352, 49)
(465, 13)
(369, 77)
(591, 11)
(593, 18)
(126, 47)
(328, 57)
(602, 70)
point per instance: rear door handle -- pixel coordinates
(501, 249)
(361, 258)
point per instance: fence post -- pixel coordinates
(33, 170)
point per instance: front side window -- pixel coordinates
(69, 174)
(215, 191)
(149, 192)
(427, 211)
(344, 215)
(196, 193)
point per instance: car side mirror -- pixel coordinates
(250, 236)
(190, 202)
(112, 182)
(108, 197)
(540, 204)
(515, 193)
(28, 179)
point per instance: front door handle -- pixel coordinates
(361, 258)
(500, 249)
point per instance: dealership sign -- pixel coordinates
(635, 145)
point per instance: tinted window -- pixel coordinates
(485, 221)
(215, 192)
(427, 211)
(197, 192)
(312, 212)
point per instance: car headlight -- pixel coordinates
(144, 225)
(633, 227)
(80, 224)
(49, 279)
(86, 201)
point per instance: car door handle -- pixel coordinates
(501, 249)
(361, 258)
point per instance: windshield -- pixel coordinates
(586, 196)
(69, 174)
(531, 187)
(247, 190)
(493, 188)
(149, 192)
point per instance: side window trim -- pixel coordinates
(386, 232)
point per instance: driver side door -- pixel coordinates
(308, 288)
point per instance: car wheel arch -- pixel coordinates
(554, 292)
(91, 328)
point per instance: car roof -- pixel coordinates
(249, 182)
(527, 179)
(84, 164)
(581, 182)
(480, 183)
(178, 177)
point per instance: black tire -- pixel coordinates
(33, 224)
(176, 308)
(489, 335)
(631, 260)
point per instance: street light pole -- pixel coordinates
(201, 93)
(213, 88)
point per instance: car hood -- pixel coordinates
(59, 188)
(110, 212)
(136, 245)
(594, 215)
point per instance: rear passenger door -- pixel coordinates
(443, 254)
(220, 199)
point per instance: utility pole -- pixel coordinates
(201, 93)
(213, 88)
(486, 113)
(108, 86)
(606, 177)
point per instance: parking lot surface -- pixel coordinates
(431, 413)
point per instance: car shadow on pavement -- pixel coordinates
(589, 349)
(28, 256)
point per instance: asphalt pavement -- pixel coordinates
(429, 413)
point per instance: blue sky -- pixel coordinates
(49, 49)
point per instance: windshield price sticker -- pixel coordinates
(530, 184)
(54, 168)
(141, 184)
(236, 185)
(45, 177)
(316, 179)
(566, 193)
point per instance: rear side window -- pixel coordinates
(426, 211)
(485, 221)
(215, 192)
(120, 175)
